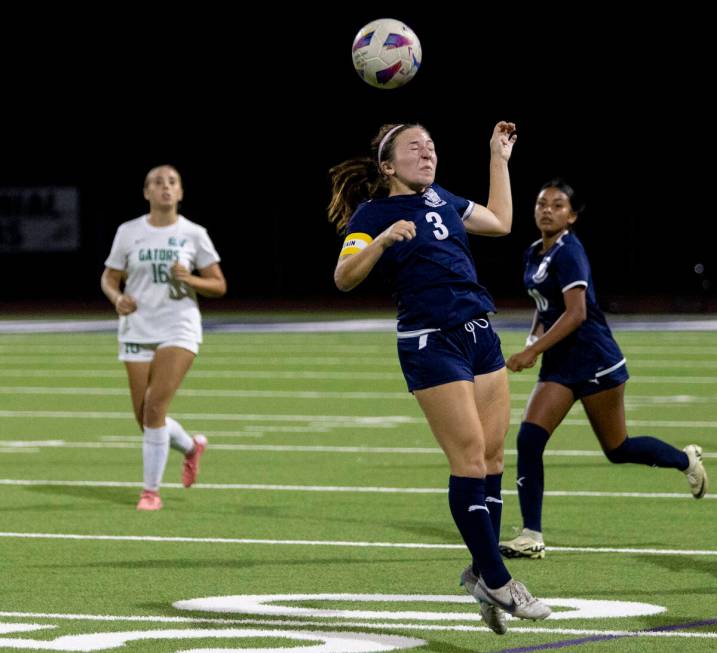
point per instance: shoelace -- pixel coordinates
(520, 594)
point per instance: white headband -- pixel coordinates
(384, 139)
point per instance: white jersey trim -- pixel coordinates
(575, 283)
(468, 211)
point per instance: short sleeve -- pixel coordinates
(360, 232)
(117, 260)
(571, 268)
(206, 252)
(462, 206)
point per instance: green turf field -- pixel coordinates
(322, 479)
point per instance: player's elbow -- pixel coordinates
(342, 283)
(343, 280)
(498, 228)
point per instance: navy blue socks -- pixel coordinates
(494, 502)
(642, 450)
(531, 444)
(467, 500)
(646, 450)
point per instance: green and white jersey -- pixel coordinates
(166, 308)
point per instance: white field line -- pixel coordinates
(372, 421)
(281, 360)
(300, 375)
(353, 421)
(301, 344)
(333, 543)
(135, 442)
(637, 379)
(210, 349)
(315, 375)
(633, 401)
(257, 431)
(252, 394)
(360, 489)
(674, 348)
(217, 349)
(338, 421)
(344, 624)
(224, 361)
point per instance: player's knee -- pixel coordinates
(620, 454)
(153, 413)
(494, 452)
(470, 466)
(494, 463)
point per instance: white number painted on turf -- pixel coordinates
(327, 642)
(260, 604)
(317, 641)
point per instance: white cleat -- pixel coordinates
(514, 598)
(529, 544)
(695, 472)
(492, 615)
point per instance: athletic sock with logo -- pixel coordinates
(494, 501)
(531, 444)
(466, 497)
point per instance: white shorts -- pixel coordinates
(143, 352)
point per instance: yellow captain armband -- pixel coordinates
(355, 243)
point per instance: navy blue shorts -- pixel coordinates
(601, 381)
(432, 357)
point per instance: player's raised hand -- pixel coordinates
(503, 139)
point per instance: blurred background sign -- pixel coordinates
(39, 219)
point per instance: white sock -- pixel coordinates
(155, 450)
(179, 439)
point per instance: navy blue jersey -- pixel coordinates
(433, 275)
(590, 350)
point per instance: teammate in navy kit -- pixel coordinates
(397, 220)
(581, 361)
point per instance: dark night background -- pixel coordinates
(253, 110)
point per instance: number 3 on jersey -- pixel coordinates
(440, 231)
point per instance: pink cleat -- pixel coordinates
(191, 461)
(149, 500)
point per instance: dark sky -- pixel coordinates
(253, 111)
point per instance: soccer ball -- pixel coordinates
(386, 53)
